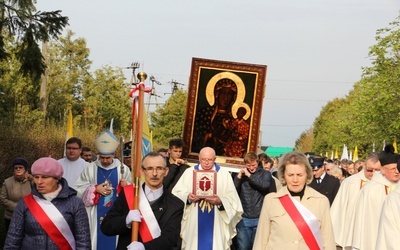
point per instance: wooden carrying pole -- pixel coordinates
(137, 127)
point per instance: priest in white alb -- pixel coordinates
(342, 208)
(208, 223)
(370, 201)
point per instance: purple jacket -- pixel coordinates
(26, 233)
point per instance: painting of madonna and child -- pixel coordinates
(224, 107)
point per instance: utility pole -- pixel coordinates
(175, 85)
(134, 66)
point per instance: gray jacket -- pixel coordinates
(11, 192)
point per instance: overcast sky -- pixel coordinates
(314, 49)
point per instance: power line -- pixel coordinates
(292, 99)
(285, 125)
(309, 81)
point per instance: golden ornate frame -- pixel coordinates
(250, 86)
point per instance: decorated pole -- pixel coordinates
(121, 142)
(136, 149)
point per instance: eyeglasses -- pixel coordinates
(71, 148)
(151, 169)
(18, 167)
(206, 160)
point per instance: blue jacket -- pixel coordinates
(252, 191)
(26, 233)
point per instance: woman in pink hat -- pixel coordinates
(52, 216)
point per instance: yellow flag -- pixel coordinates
(336, 154)
(355, 155)
(70, 132)
(395, 145)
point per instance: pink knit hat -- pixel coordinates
(47, 166)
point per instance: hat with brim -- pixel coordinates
(316, 163)
(127, 153)
(106, 143)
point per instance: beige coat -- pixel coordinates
(278, 183)
(276, 230)
(11, 192)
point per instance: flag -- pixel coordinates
(147, 145)
(345, 154)
(384, 145)
(146, 135)
(351, 156)
(70, 132)
(336, 154)
(112, 126)
(355, 155)
(373, 147)
(332, 155)
(395, 145)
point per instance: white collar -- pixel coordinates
(153, 195)
(201, 168)
(52, 195)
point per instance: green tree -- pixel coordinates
(18, 94)
(368, 114)
(167, 121)
(19, 19)
(305, 142)
(67, 74)
(107, 97)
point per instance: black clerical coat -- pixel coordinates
(168, 210)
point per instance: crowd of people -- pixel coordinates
(297, 201)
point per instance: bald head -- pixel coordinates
(207, 157)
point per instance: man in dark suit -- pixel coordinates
(323, 182)
(159, 209)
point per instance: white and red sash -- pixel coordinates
(148, 227)
(304, 220)
(55, 226)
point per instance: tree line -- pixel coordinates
(368, 115)
(44, 74)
